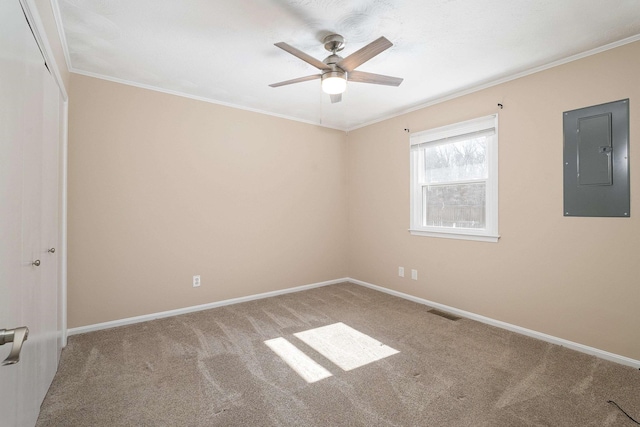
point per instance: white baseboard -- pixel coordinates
(508, 326)
(466, 314)
(185, 310)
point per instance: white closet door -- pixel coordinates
(13, 48)
(32, 135)
(47, 301)
(29, 143)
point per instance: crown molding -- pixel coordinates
(476, 88)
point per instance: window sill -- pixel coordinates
(460, 235)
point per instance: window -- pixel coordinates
(454, 181)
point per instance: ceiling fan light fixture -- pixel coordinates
(334, 82)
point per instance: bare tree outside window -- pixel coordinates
(451, 198)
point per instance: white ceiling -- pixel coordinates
(222, 50)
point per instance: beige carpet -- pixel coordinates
(212, 368)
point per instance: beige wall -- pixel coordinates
(162, 188)
(573, 278)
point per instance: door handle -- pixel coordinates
(17, 336)
(52, 250)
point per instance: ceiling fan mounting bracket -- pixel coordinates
(334, 43)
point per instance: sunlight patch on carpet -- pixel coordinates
(345, 346)
(306, 367)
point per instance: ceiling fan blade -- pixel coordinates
(298, 80)
(336, 98)
(300, 54)
(378, 79)
(361, 56)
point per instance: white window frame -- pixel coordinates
(446, 134)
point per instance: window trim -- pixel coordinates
(440, 135)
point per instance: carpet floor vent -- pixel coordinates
(444, 314)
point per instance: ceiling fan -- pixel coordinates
(336, 70)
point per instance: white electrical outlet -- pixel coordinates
(414, 274)
(401, 271)
(196, 281)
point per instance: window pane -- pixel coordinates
(456, 161)
(454, 205)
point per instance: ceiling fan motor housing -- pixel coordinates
(332, 59)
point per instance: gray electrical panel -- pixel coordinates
(596, 160)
